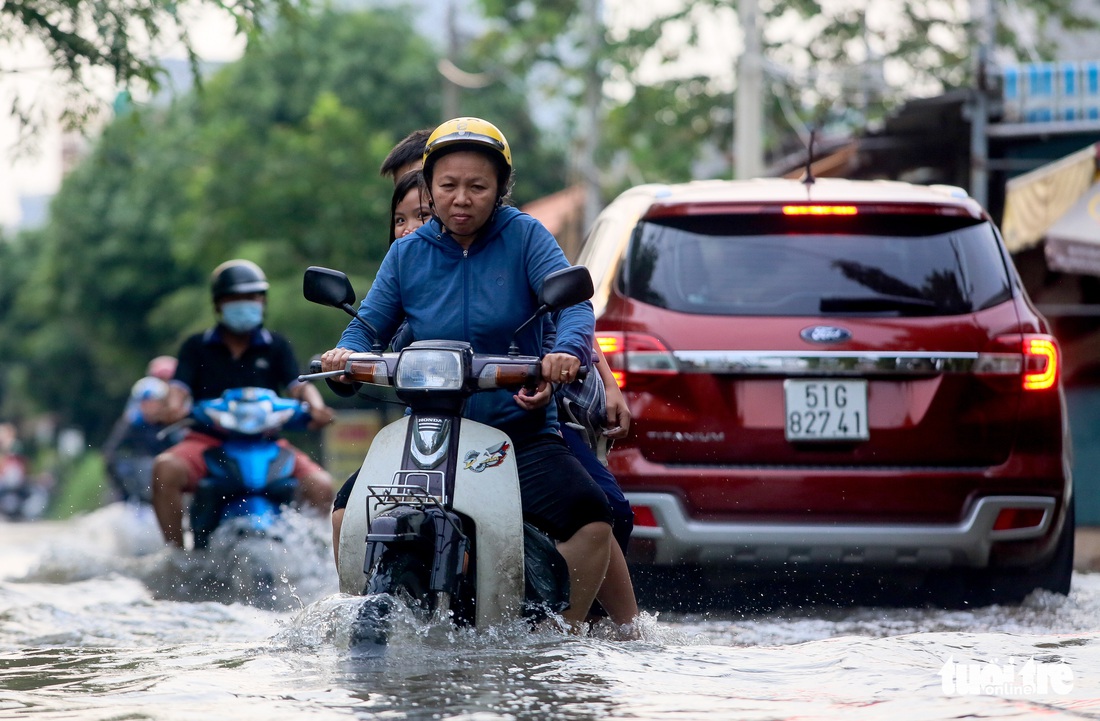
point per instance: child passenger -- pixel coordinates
(409, 208)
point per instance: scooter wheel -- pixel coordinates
(404, 577)
(370, 629)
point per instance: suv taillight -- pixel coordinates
(634, 355)
(1040, 363)
(1029, 359)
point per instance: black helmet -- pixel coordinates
(237, 277)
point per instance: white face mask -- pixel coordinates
(241, 316)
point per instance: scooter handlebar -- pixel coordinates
(486, 371)
(512, 371)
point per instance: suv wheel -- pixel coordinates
(962, 588)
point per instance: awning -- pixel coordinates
(1073, 242)
(1035, 201)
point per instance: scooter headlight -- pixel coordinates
(429, 369)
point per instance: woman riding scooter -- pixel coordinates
(472, 274)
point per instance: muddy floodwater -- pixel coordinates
(99, 622)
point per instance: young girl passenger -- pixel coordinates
(409, 207)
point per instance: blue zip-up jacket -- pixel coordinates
(481, 295)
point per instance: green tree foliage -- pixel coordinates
(84, 39)
(16, 260)
(276, 160)
(827, 63)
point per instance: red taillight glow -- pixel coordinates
(1040, 363)
(630, 354)
(610, 343)
(612, 347)
(1012, 518)
(1027, 361)
(644, 518)
(820, 210)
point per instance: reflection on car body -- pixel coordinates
(844, 373)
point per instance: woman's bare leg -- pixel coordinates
(586, 553)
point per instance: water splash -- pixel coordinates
(286, 571)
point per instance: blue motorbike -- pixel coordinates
(249, 477)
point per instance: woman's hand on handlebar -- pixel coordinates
(556, 368)
(560, 367)
(336, 360)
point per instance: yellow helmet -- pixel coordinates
(468, 131)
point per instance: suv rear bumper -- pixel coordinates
(679, 539)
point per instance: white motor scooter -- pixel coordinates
(435, 515)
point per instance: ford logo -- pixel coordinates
(825, 334)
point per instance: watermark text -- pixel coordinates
(1006, 679)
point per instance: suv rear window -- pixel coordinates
(770, 264)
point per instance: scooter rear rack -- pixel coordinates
(413, 496)
(403, 494)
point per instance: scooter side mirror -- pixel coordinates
(566, 287)
(328, 287)
(560, 289)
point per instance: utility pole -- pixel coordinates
(450, 88)
(748, 124)
(593, 97)
(454, 78)
(982, 15)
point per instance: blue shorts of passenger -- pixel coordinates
(621, 512)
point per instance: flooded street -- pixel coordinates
(97, 622)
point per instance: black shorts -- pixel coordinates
(558, 495)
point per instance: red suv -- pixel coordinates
(833, 374)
